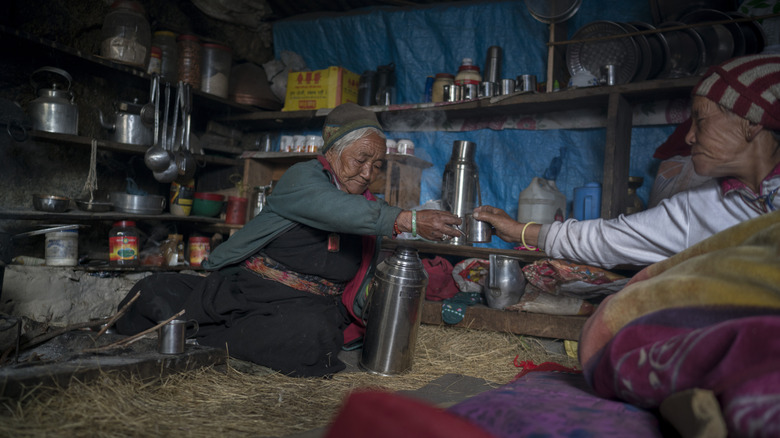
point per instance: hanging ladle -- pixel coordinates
(171, 171)
(184, 159)
(156, 157)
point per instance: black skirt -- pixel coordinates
(295, 332)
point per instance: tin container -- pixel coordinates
(62, 248)
(199, 250)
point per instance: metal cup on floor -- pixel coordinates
(172, 336)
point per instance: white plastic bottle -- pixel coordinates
(541, 202)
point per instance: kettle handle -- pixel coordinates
(55, 70)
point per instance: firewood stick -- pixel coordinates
(118, 315)
(131, 339)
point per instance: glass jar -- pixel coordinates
(189, 60)
(215, 68)
(442, 79)
(169, 67)
(468, 78)
(126, 35)
(123, 244)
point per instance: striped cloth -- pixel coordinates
(749, 86)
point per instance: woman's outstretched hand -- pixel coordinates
(431, 224)
(508, 229)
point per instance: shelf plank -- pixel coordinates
(481, 317)
(78, 215)
(517, 103)
(77, 140)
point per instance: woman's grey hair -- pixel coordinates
(353, 136)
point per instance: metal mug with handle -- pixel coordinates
(173, 335)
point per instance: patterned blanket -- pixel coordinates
(706, 318)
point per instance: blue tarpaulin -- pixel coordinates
(423, 41)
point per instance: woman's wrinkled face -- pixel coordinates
(359, 163)
(717, 138)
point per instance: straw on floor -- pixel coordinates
(223, 401)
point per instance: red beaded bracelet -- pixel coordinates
(396, 231)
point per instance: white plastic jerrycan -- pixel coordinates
(541, 202)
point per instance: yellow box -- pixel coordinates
(328, 88)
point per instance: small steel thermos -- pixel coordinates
(393, 312)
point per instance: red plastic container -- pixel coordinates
(236, 210)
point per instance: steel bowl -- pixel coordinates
(137, 204)
(51, 203)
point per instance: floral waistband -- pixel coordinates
(270, 269)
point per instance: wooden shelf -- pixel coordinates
(77, 140)
(518, 103)
(81, 216)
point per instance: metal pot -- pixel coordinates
(138, 204)
(128, 126)
(54, 110)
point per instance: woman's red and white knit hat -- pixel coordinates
(749, 86)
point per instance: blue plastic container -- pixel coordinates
(587, 201)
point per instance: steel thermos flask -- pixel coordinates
(460, 184)
(393, 312)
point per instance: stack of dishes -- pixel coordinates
(673, 49)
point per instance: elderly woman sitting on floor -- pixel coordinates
(288, 288)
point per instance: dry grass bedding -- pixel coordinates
(223, 401)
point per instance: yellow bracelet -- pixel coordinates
(522, 237)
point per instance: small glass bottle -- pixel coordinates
(126, 35)
(123, 242)
(169, 67)
(189, 60)
(217, 60)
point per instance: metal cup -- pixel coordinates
(452, 93)
(173, 335)
(507, 86)
(470, 91)
(526, 83)
(609, 74)
(488, 89)
(477, 231)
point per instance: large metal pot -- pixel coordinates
(128, 126)
(138, 204)
(54, 110)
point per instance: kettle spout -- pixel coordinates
(104, 123)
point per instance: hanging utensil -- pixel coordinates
(170, 172)
(185, 160)
(147, 111)
(156, 157)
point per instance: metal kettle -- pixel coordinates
(393, 312)
(54, 110)
(128, 126)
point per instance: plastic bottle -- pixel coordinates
(468, 78)
(541, 202)
(123, 244)
(587, 202)
(189, 60)
(62, 248)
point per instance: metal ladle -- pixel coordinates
(184, 159)
(156, 157)
(171, 171)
